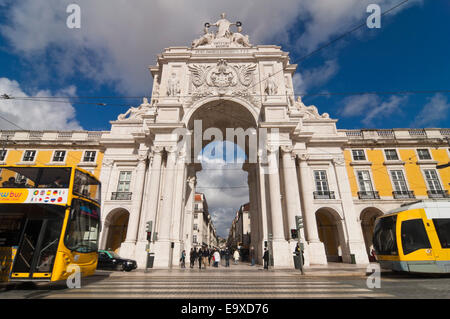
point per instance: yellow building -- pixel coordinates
(387, 168)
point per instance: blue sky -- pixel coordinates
(110, 54)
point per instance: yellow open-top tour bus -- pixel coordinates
(415, 237)
(49, 219)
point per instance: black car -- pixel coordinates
(109, 260)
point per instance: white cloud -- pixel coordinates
(436, 111)
(308, 79)
(371, 108)
(117, 41)
(35, 115)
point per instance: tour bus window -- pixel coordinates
(414, 236)
(442, 226)
(10, 225)
(384, 238)
(35, 177)
(83, 228)
(86, 186)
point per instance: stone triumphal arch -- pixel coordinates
(224, 83)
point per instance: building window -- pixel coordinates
(124, 181)
(398, 179)
(434, 185)
(196, 207)
(29, 156)
(89, 156)
(195, 227)
(194, 239)
(365, 183)
(59, 156)
(424, 154)
(391, 155)
(3, 155)
(358, 155)
(321, 181)
(195, 216)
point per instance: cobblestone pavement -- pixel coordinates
(236, 282)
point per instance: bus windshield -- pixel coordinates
(83, 227)
(384, 236)
(35, 177)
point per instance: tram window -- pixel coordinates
(414, 236)
(384, 238)
(442, 226)
(83, 229)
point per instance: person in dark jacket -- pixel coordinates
(266, 258)
(192, 256)
(227, 257)
(200, 257)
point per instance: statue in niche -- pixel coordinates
(271, 86)
(173, 85)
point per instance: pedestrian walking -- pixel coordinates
(192, 256)
(205, 254)
(210, 256)
(266, 258)
(227, 257)
(183, 259)
(200, 256)
(236, 256)
(216, 259)
(252, 255)
(298, 251)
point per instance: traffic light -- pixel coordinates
(299, 222)
(149, 230)
(294, 233)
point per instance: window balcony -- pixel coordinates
(403, 194)
(323, 195)
(440, 193)
(369, 195)
(121, 195)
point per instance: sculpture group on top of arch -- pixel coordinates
(223, 36)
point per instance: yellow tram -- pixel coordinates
(415, 237)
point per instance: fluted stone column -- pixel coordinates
(163, 248)
(282, 257)
(150, 205)
(316, 249)
(127, 249)
(355, 238)
(188, 211)
(292, 193)
(177, 209)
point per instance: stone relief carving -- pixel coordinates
(222, 79)
(310, 112)
(155, 93)
(135, 113)
(223, 36)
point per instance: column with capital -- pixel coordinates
(127, 249)
(180, 177)
(355, 238)
(282, 256)
(163, 249)
(292, 193)
(316, 249)
(105, 178)
(150, 204)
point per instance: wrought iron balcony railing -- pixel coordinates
(323, 195)
(121, 195)
(368, 195)
(403, 194)
(440, 193)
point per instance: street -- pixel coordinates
(236, 282)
